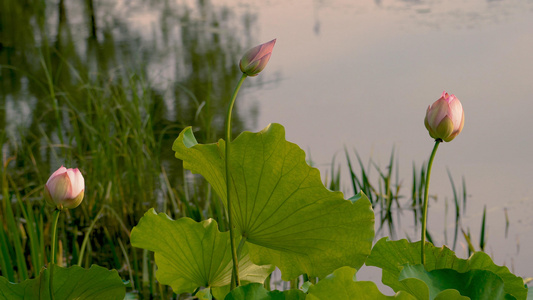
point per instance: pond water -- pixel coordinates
(362, 73)
(359, 74)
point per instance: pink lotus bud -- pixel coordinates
(256, 59)
(445, 118)
(65, 188)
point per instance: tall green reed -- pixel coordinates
(385, 187)
(110, 134)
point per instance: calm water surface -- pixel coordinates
(362, 73)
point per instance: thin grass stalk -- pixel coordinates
(170, 191)
(457, 210)
(414, 197)
(136, 270)
(366, 186)
(482, 241)
(446, 221)
(396, 196)
(421, 191)
(87, 234)
(388, 193)
(6, 266)
(353, 177)
(51, 89)
(464, 195)
(5, 258)
(116, 260)
(146, 268)
(126, 257)
(13, 229)
(468, 240)
(33, 235)
(506, 221)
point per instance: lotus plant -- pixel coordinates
(64, 189)
(252, 62)
(444, 121)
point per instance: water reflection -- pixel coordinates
(107, 86)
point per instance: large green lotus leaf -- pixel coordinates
(189, 254)
(342, 285)
(473, 284)
(391, 256)
(257, 291)
(280, 205)
(68, 283)
(450, 295)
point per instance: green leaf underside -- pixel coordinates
(257, 291)
(391, 256)
(280, 204)
(68, 283)
(189, 254)
(341, 285)
(204, 294)
(473, 284)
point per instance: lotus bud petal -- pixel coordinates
(445, 118)
(65, 188)
(256, 59)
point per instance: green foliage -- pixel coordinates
(473, 284)
(256, 291)
(190, 255)
(341, 285)
(68, 283)
(392, 256)
(281, 206)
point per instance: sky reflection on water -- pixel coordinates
(362, 74)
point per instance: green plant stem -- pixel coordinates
(87, 234)
(241, 244)
(426, 193)
(55, 218)
(235, 274)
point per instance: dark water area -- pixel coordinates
(53, 53)
(82, 80)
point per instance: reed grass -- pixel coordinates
(389, 200)
(111, 128)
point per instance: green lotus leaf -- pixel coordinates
(68, 283)
(256, 291)
(341, 285)
(204, 294)
(392, 256)
(280, 205)
(474, 284)
(450, 295)
(189, 254)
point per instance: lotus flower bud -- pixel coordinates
(445, 118)
(65, 188)
(256, 59)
